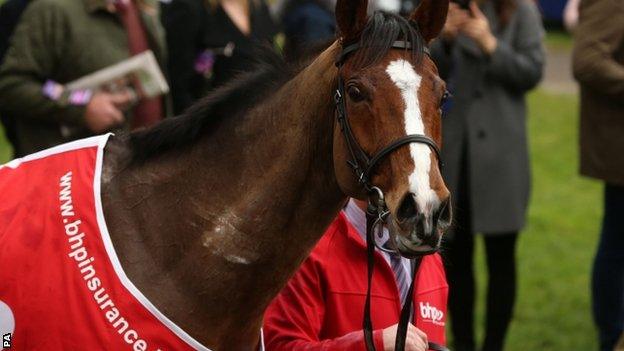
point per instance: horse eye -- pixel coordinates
(355, 93)
(447, 95)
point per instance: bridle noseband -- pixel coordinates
(363, 166)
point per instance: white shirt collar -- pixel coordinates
(357, 218)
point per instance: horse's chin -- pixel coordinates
(408, 244)
(412, 250)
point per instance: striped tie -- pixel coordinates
(400, 273)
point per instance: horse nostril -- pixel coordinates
(408, 210)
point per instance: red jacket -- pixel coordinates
(322, 306)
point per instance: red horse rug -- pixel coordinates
(61, 284)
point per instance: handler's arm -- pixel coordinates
(600, 34)
(294, 319)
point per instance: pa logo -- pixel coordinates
(6, 341)
(7, 324)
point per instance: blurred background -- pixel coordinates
(555, 253)
(553, 310)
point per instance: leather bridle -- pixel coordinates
(377, 213)
(362, 164)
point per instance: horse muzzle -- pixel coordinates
(415, 232)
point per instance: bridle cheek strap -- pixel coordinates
(359, 157)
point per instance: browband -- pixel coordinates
(399, 44)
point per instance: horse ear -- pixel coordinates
(351, 17)
(430, 17)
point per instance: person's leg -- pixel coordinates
(459, 270)
(608, 272)
(458, 248)
(458, 259)
(501, 293)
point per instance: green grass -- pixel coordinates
(556, 249)
(5, 148)
(555, 252)
(559, 40)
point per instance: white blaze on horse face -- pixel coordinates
(404, 76)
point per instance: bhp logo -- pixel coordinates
(428, 312)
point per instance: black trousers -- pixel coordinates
(501, 291)
(608, 271)
(458, 255)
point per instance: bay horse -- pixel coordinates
(211, 212)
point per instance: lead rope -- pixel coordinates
(406, 311)
(370, 251)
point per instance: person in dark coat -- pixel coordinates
(234, 28)
(59, 41)
(212, 41)
(598, 63)
(184, 22)
(10, 14)
(490, 54)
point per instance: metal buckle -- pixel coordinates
(362, 176)
(380, 204)
(337, 96)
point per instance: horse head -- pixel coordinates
(390, 95)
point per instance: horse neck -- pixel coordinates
(279, 166)
(282, 191)
(258, 194)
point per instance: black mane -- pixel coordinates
(270, 73)
(230, 100)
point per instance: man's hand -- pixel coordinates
(105, 111)
(454, 21)
(416, 339)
